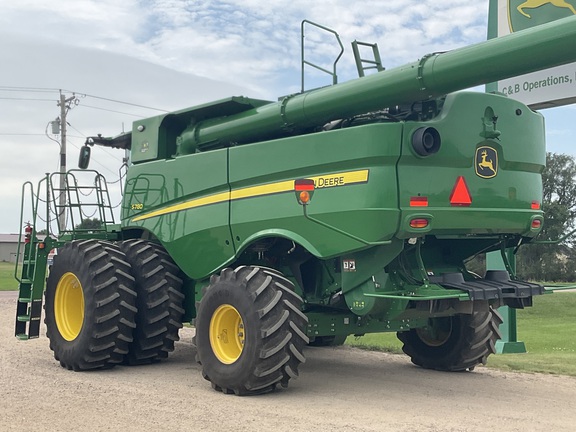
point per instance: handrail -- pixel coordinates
(306, 62)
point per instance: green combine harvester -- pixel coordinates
(344, 210)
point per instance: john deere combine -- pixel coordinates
(345, 210)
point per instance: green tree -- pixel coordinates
(553, 262)
(90, 224)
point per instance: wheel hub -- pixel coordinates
(437, 332)
(69, 306)
(227, 334)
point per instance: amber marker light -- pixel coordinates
(304, 189)
(418, 223)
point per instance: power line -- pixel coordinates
(112, 111)
(125, 103)
(26, 99)
(52, 90)
(29, 89)
(20, 134)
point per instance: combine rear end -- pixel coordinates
(346, 210)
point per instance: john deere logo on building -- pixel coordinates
(486, 162)
(524, 14)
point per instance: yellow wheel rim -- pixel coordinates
(227, 334)
(69, 306)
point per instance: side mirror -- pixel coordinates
(84, 158)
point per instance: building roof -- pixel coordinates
(9, 238)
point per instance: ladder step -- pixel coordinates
(23, 318)
(22, 336)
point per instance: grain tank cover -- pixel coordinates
(158, 137)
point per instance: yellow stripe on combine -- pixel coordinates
(211, 199)
(255, 191)
(324, 181)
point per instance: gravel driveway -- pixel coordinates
(339, 389)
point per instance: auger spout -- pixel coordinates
(432, 76)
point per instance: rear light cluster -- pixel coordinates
(460, 197)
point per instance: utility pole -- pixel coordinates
(64, 104)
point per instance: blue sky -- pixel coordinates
(170, 54)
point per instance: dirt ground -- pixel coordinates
(339, 389)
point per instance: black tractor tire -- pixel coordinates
(90, 305)
(159, 301)
(250, 331)
(456, 343)
(328, 341)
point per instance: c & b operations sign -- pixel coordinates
(550, 87)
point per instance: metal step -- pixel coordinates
(496, 285)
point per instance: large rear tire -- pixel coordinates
(456, 343)
(90, 305)
(159, 301)
(250, 331)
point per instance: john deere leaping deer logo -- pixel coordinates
(533, 4)
(524, 14)
(486, 162)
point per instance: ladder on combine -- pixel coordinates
(82, 202)
(31, 284)
(363, 64)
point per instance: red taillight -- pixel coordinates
(535, 205)
(418, 201)
(419, 223)
(303, 185)
(536, 223)
(460, 195)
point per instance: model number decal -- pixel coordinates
(136, 206)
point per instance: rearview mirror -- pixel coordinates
(84, 158)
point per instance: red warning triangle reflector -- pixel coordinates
(460, 195)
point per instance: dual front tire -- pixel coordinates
(90, 305)
(108, 304)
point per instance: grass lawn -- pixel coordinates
(7, 281)
(548, 329)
